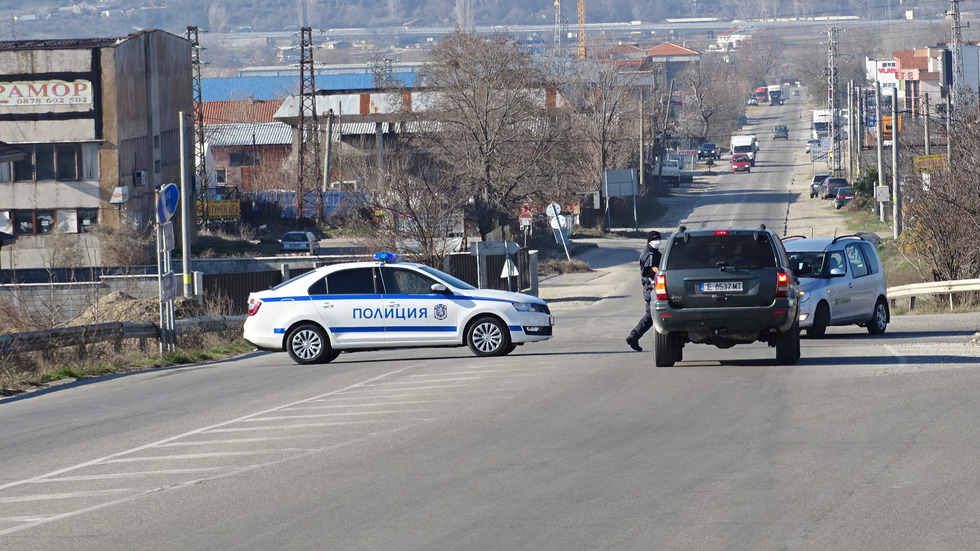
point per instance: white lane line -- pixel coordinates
(370, 405)
(334, 415)
(136, 474)
(243, 418)
(226, 441)
(67, 495)
(209, 455)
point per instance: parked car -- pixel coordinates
(725, 286)
(299, 242)
(815, 184)
(780, 132)
(841, 283)
(828, 190)
(752, 101)
(388, 304)
(741, 163)
(844, 196)
(709, 150)
(811, 144)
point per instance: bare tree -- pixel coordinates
(710, 100)
(496, 135)
(944, 211)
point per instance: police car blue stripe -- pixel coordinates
(427, 329)
(300, 298)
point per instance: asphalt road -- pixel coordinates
(575, 443)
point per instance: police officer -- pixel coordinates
(649, 265)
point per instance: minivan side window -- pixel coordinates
(872, 258)
(859, 267)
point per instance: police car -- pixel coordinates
(388, 304)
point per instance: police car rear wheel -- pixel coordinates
(488, 337)
(308, 344)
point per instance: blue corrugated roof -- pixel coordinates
(238, 88)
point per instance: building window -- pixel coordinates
(53, 162)
(87, 219)
(245, 158)
(24, 222)
(44, 221)
(39, 222)
(220, 174)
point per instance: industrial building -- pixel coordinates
(98, 123)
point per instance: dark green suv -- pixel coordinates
(725, 286)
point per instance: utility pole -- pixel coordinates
(956, 44)
(925, 112)
(879, 204)
(308, 153)
(896, 186)
(199, 154)
(832, 100)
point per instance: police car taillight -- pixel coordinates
(253, 306)
(782, 284)
(660, 287)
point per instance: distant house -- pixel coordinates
(668, 59)
(244, 140)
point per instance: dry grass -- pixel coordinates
(562, 266)
(25, 371)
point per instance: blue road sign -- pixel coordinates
(167, 200)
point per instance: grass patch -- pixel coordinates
(555, 266)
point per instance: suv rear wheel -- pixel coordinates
(664, 350)
(788, 346)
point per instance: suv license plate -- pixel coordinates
(721, 286)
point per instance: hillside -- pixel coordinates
(63, 18)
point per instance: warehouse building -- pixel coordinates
(98, 123)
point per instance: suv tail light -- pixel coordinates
(782, 284)
(253, 306)
(660, 287)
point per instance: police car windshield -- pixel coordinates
(442, 276)
(300, 276)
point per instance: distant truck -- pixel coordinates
(820, 124)
(670, 172)
(745, 144)
(775, 94)
(762, 94)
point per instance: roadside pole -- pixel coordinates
(185, 211)
(896, 185)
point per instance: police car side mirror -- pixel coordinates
(439, 288)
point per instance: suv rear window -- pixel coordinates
(717, 251)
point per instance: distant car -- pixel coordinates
(841, 283)
(299, 242)
(709, 150)
(752, 101)
(828, 190)
(844, 196)
(796, 92)
(815, 184)
(388, 304)
(811, 144)
(741, 163)
(780, 132)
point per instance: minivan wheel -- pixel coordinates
(663, 350)
(879, 319)
(820, 320)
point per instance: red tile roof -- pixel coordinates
(906, 59)
(670, 49)
(251, 111)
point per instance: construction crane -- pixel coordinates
(581, 29)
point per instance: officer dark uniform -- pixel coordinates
(649, 262)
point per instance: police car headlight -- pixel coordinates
(530, 307)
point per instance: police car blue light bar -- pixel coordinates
(386, 256)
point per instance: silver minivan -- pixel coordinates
(841, 283)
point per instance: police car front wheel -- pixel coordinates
(309, 344)
(489, 337)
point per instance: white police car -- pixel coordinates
(385, 304)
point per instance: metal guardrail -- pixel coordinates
(113, 331)
(933, 288)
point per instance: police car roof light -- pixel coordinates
(386, 256)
